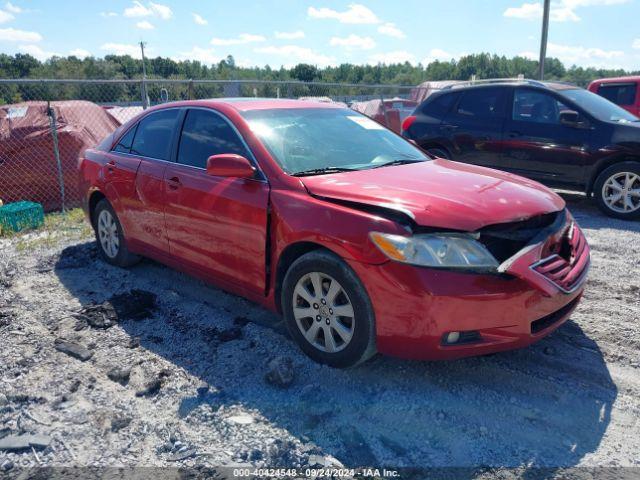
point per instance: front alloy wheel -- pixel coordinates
(328, 311)
(323, 312)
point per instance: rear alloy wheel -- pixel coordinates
(327, 310)
(617, 190)
(108, 234)
(112, 245)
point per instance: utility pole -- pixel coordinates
(543, 39)
(145, 97)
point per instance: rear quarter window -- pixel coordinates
(124, 144)
(105, 144)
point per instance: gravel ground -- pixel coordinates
(193, 380)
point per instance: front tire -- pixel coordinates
(617, 191)
(327, 310)
(112, 245)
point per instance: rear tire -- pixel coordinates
(617, 191)
(332, 319)
(438, 152)
(112, 246)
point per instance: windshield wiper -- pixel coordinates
(399, 161)
(323, 170)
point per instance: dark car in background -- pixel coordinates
(555, 133)
(623, 91)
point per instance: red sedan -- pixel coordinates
(359, 239)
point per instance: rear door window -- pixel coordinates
(619, 93)
(204, 134)
(154, 134)
(481, 104)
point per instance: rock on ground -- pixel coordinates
(200, 361)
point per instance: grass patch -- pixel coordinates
(57, 226)
(70, 220)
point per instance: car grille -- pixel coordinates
(507, 239)
(548, 320)
(566, 272)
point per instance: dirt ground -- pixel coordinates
(184, 383)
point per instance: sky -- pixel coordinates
(599, 33)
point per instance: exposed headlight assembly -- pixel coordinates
(439, 250)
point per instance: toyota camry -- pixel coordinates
(362, 241)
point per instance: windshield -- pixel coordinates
(317, 139)
(599, 107)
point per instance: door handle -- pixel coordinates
(174, 183)
(514, 134)
(111, 165)
(449, 127)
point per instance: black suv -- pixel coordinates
(558, 134)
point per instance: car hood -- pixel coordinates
(441, 193)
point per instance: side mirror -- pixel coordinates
(571, 118)
(230, 165)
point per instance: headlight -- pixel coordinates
(435, 250)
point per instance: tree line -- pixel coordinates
(114, 67)
(483, 65)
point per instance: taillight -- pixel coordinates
(408, 122)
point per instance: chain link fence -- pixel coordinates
(46, 124)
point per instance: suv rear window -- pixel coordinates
(619, 93)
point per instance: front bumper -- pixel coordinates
(416, 307)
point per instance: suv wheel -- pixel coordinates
(112, 245)
(439, 152)
(617, 190)
(328, 311)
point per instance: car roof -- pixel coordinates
(552, 85)
(560, 86)
(250, 103)
(630, 78)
